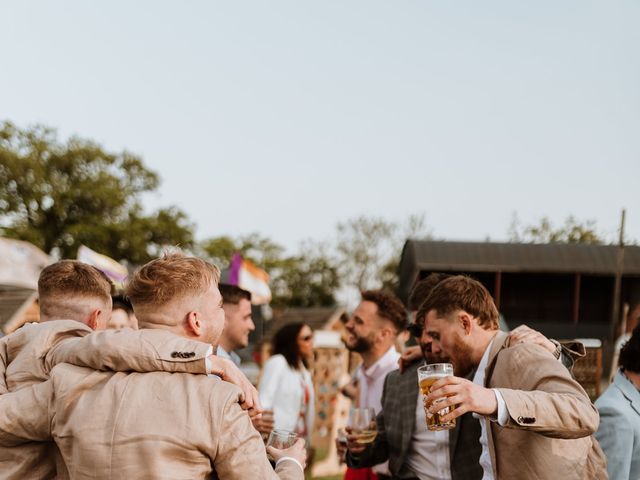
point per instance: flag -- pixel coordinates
(246, 275)
(112, 269)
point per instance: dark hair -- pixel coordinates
(461, 293)
(233, 294)
(389, 307)
(285, 343)
(423, 288)
(630, 353)
(123, 303)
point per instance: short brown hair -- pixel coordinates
(233, 294)
(172, 276)
(423, 288)
(66, 278)
(462, 293)
(389, 307)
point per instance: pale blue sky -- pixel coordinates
(285, 117)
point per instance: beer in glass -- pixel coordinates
(427, 376)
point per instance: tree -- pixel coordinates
(306, 279)
(61, 195)
(369, 249)
(573, 231)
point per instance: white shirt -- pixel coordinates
(428, 456)
(371, 384)
(502, 416)
(281, 389)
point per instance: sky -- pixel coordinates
(286, 117)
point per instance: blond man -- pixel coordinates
(75, 300)
(151, 425)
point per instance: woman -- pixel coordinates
(286, 386)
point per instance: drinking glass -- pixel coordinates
(427, 376)
(363, 424)
(281, 439)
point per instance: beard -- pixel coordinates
(461, 357)
(360, 345)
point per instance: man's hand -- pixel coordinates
(353, 446)
(465, 395)
(524, 334)
(228, 372)
(264, 423)
(296, 451)
(410, 355)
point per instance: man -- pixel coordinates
(372, 332)
(80, 294)
(536, 421)
(151, 425)
(238, 323)
(619, 407)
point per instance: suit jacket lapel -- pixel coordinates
(628, 389)
(500, 341)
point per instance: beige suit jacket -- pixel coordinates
(549, 434)
(27, 355)
(111, 425)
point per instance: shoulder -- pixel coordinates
(611, 401)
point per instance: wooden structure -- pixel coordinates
(564, 291)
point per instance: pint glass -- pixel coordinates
(427, 376)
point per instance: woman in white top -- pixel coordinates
(286, 386)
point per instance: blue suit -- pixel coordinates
(619, 431)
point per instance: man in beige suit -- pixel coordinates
(79, 292)
(151, 425)
(536, 421)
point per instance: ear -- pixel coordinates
(93, 319)
(194, 325)
(465, 322)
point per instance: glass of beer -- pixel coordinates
(363, 425)
(427, 376)
(281, 439)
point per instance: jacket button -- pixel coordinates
(174, 354)
(192, 354)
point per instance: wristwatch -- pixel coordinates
(558, 350)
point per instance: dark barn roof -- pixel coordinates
(443, 256)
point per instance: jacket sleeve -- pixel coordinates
(615, 436)
(271, 379)
(570, 353)
(26, 415)
(544, 398)
(378, 451)
(4, 361)
(240, 453)
(146, 350)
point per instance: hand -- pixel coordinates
(524, 334)
(410, 355)
(296, 451)
(264, 423)
(229, 372)
(353, 446)
(341, 449)
(465, 395)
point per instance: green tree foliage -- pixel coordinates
(61, 195)
(368, 249)
(308, 279)
(573, 231)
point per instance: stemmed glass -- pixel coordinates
(362, 422)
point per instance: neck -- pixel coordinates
(225, 344)
(372, 356)
(484, 338)
(633, 378)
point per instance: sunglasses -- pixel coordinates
(306, 338)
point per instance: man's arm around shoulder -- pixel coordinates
(540, 394)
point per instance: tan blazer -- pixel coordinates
(551, 419)
(27, 355)
(111, 425)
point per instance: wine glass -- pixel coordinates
(362, 422)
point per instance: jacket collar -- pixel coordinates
(500, 341)
(628, 389)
